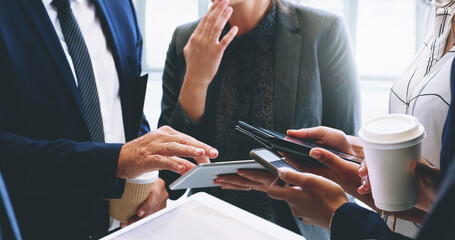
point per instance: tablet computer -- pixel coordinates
(203, 174)
(280, 142)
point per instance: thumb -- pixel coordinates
(423, 171)
(328, 159)
(303, 180)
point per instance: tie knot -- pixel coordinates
(61, 4)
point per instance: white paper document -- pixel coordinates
(203, 217)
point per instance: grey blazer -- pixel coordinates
(315, 73)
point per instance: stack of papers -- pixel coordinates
(203, 217)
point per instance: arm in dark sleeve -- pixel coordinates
(339, 80)
(35, 167)
(354, 222)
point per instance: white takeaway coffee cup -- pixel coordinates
(391, 143)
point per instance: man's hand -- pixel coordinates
(313, 198)
(162, 149)
(203, 54)
(246, 180)
(155, 202)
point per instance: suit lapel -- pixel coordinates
(112, 37)
(132, 91)
(44, 28)
(287, 64)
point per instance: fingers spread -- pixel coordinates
(213, 17)
(219, 25)
(201, 24)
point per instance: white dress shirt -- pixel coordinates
(106, 76)
(103, 64)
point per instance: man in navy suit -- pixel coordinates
(7, 228)
(70, 97)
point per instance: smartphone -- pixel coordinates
(270, 160)
(280, 142)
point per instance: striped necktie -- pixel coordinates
(83, 68)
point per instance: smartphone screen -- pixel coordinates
(269, 160)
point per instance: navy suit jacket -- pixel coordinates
(8, 228)
(354, 222)
(56, 176)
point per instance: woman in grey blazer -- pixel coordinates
(288, 67)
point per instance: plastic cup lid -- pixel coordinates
(145, 178)
(392, 129)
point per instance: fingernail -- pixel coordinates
(364, 183)
(360, 172)
(239, 172)
(213, 152)
(180, 167)
(200, 152)
(219, 180)
(315, 154)
(281, 171)
(140, 213)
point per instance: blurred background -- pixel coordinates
(385, 35)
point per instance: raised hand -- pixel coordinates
(203, 54)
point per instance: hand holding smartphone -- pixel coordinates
(270, 160)
(280, 142)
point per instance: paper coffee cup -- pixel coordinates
(136, 192)
(391, 143)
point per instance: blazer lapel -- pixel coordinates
(132, 87)
(287, 64)
(44, 28)
(112, 37)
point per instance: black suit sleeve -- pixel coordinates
(354, 222)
